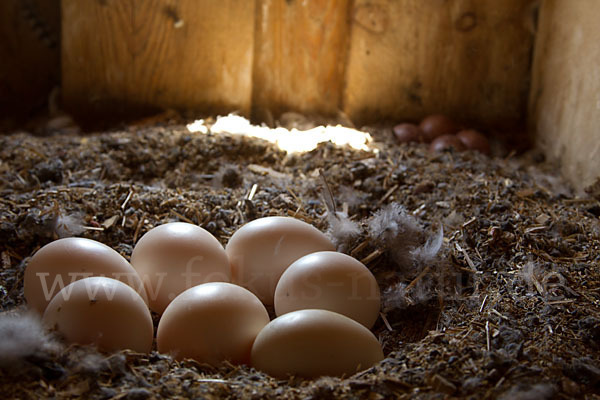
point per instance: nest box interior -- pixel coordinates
(118, 116)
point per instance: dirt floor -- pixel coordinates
(509, 307)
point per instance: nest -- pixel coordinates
(488, 266)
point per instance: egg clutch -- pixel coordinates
(211, 300)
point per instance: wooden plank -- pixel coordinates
(122, 57)
(467, 58)
(29, 66)
(565, 95)
(300, 53)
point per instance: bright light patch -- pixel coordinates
(292, 141)
(198, 126)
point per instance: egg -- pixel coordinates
(173, 257)
(437, 125)
(66, 260)
(313, 343)
(445, 142)
(331, 281)
(474, 140)
(406, 133)
(211, 323)
(262, 249)
(101, 311)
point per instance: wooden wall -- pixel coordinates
(29, 56)
(371, 59)
(300, 51)
(121, 58)
(565, 95)
(467, 58)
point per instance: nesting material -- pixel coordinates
(69, 225)
(468, 323)
(343, 231)
(404, 237)
(21, 336)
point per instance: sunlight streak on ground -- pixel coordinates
(292, 141)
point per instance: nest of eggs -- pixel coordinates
(486, 264)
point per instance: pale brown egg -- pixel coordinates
(212, 323)
(446, 142)
(101, 311)
(173, 257)
(261, 250)
(437, 125)
(474, 140)
(313, 343)
(405, 133)
(330, 281)
(66, 260)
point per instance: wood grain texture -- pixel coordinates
(565, 95)
(29, 54)
(467, 58)
(125, 57)
(300, 54)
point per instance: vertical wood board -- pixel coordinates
(466, 58)
(300, 53)
(134, 55)
(565, 95)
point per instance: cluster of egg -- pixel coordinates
(212, 300)
(443, 133)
